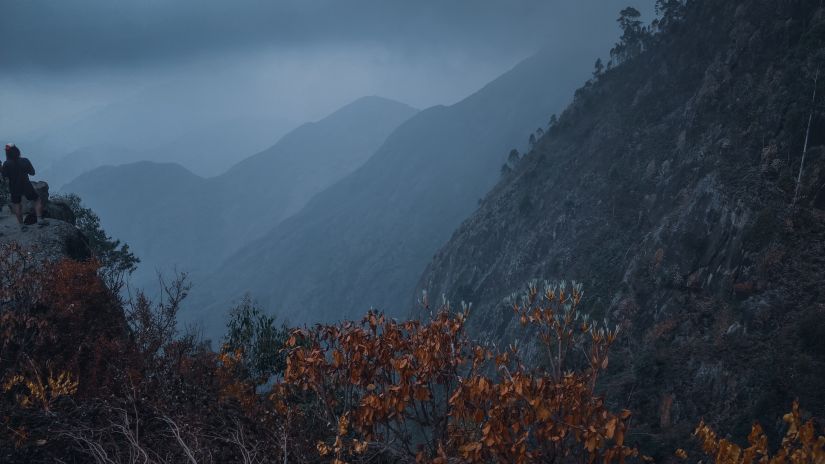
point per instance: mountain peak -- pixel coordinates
(367, 106)
(159, 203)
(369, 236)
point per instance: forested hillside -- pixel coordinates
(674, 188)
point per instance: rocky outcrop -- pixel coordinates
(54, 241)
(668, 188)
(55, 209)
(58, 239)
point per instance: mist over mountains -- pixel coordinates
(366, 237)
(622, 261)
(174, 219)
(180, 121)
(364, 241)
(206, 84)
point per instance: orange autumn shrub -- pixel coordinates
(423, 392)
(86, 376)
(800, 445)
(59, 315)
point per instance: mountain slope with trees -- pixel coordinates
(363, 242)
(684, 188)
(281, 179)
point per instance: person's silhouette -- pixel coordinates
(17, 170)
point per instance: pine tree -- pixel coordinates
(633, 38)
(669, 13)
(598, 68)
(513, 158)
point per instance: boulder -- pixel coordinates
(55, 209)
(59, 209)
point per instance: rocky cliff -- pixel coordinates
(669, 188)
(59, 239)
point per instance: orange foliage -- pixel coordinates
(801, 444)
(57, 314)
(40, 392)
(376, 390)
(72, 285)
(423, 392)
(232, 386)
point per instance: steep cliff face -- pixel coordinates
(668, 188)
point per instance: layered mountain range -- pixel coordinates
(174, 219)
(364, 241)
(684, 187)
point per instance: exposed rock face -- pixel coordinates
(51, 208)
(59, 239)
(54, 241)
(667, 189)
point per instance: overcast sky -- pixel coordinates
(294, 59)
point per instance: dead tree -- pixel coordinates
(805, 145)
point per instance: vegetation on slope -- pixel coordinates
(86, 378)
(668, 188)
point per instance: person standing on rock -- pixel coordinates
(17, 170)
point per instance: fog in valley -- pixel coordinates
(183, 125)
(412, 231)
(138, 78)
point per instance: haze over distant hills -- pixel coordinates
(365, 241)
(281, 179)
(179, 121)
(65, 169)
(173, 218)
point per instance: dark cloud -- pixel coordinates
(290, 60)
(67, 34)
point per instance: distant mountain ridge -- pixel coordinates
(364, 241)
(174, 219)
(341, 143)
(63, 170)
(175, 122)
